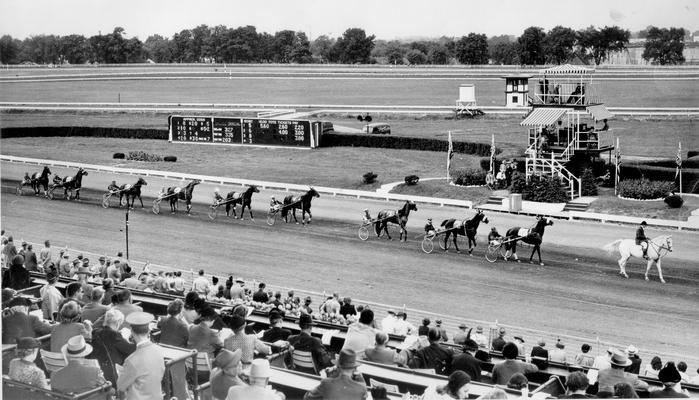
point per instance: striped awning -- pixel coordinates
(599, 112)
(567, 69)
(543, 116)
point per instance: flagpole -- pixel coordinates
(679, 156)
(449, 150)
(492, 155)
(616, 166)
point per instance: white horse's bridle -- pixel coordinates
(665, 246)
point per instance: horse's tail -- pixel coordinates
(612, 247)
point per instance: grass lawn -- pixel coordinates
(607, 203)
(440, 188)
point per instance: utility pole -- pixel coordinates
(127, 231)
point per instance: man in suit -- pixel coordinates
(347, 384)
(79, 375)
(275, 332)
(499, 342)
(17, 323)
(540, 355)
(145, 367)
(636, 361)
(305, 342)
(433, 356)
(173, 329)
(467, 362)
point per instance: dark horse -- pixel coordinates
(38, 179)
(242, 198)
(466, 228)
(398, 217)
(69, 183)
(533, 236)
(132, 192)
(303, 202)
(175, 193)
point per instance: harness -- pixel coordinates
(658, 248)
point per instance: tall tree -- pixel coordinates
(438, 55)
(74, 49)
(416, 57)
(354, 47)
(598, 44)
(505, 53)
(472, 49)
(157, 48)
(320, 47)
(301, 51)
(182, 50)
(531, 46)
(200, 45)
(9, 50)
(664, 46)
(559, 45)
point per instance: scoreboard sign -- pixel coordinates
(245, 131)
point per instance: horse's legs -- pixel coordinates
(402, 231)
(189, 206)
(140, 199)
(309, 215)
(536, 249)
(384, 225)
(293, 212)
(446, 239)
(660, 270)
(250, 211)
(456, 246)
(622, 266)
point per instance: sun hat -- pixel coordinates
(560, 344)
(518, 338)
(139, 318)
(631, 350)
(479, 329)
(619, 359)
(227, 358)
(260, 368)
(306, 320)
(347, 359)
(462, 326)
(76, 347)
(502, 330)
(239, 280)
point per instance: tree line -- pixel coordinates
(220, 44)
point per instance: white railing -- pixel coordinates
(536, 165)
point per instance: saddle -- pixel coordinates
(68, 179)
(523, 232)
(126, 187)
(177, 190)
(236, 196)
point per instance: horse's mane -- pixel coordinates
(405, 210)
(540, 226)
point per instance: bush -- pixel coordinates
(411, 180)
(468, 177)
(170, 158)
(369, 177)
(674, 201)
(588, 183)
(119, 156)
(84, 131)
(544, 189)
(690, 176)
(143, 156)
(644, 189)
(692, 153)
(519, 182)
(400, 142)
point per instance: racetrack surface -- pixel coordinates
(577, 292)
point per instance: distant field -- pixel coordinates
(638, 137)
(331, 85)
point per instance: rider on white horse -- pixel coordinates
(642, 240)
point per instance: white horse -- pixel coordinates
(657, 249)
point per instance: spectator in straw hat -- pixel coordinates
(80, 374)
(499, 342)
(670, 377)
(608, 377)
(260, 372)
(225, 374)
(145, 367)
(346, 383)
(23, 369)
(635, 367)
(460, 336)
(479, 337)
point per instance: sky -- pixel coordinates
(387, 19)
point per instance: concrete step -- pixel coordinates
(570, 206)
(495, 200)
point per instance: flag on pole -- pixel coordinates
(492, 155)
(678, 160)
(450, 154)
(617, 156)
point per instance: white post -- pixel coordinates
(679, 155)
(616, 166)
(449, 151)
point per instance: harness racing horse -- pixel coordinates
(465, 227)
(533, 236)
(36, 180)
(303, 202)
(242, 198)
(69, 183)
(132, 192)
(657, 249)
(398, 217)
(175, 193)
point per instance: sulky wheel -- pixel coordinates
(493, 251)
(363, 232)
(156, 205)
(124, 201)
(213, 211)
(271, 218)
(105, 200)
(427, 244)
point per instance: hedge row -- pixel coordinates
(690, 176)
(645, 189)
(468, 177)
(63, 131)
(399, 142)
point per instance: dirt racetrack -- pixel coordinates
(577, 293)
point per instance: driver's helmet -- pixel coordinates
(113, 182)
(272, 197)
(429, 220)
